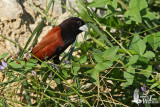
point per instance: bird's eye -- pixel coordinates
(79, 22)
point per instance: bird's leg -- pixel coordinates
(66, 62)
(56, 59)
(55, 67)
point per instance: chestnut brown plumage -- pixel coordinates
(58, 39)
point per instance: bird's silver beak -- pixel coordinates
(84, 28)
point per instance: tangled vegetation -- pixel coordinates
(119, 54)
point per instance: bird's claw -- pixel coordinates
(67, 62)
(54, 66)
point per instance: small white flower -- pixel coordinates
(33, 73)
(27, 56)
(50, 75)
(3, 66)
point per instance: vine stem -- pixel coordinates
(125, 6)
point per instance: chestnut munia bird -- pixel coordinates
(58, 39)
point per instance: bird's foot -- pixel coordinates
(54, 66)
(67, 63)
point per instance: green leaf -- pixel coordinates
(138, 45)
(145, 39)
(143, 4)
(65, 74)
(83, 59)
(98, 57)
(103, 66)
(140, 4)
(114, 4)
(33, 61)
(154, 40)
(152, 80)
(125, 84)
(98, 3)
(100, 67)
(133, 4)
(111, 52)
(28, 69)
(76, 68)
(4, 55)
(90, 71)
(23, 63)
(30, 64)
(134, 15)
(149, 54)
(150, 15)
(44, 64)
(134, 12)
(129, 75)
(133, 60)
(154, 85)
(15, 65)
(94, 76)
(147, 72)
(143, 60)
(57, 80)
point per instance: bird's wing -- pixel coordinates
(49, 38)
